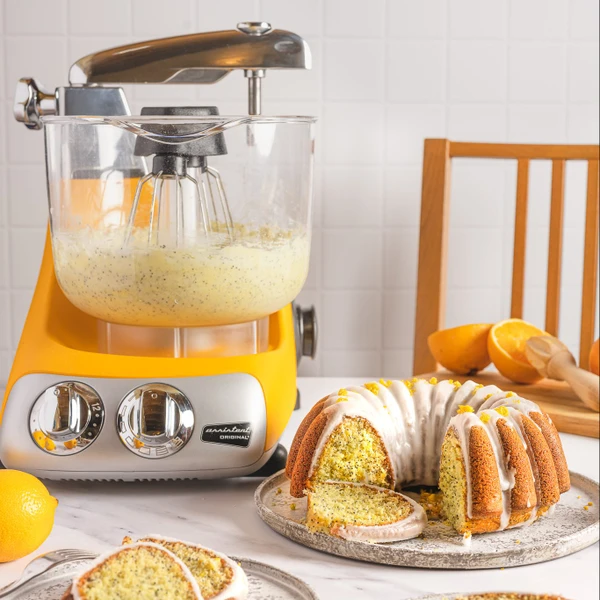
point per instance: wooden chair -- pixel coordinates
(567, 411)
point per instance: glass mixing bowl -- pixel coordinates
(180, 221)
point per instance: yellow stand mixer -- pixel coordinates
(161, 341)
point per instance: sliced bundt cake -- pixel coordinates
(367, 513)
(136, 572)
(218, 577)
(497, 457)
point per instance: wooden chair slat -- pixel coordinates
(431, 282)
(531, 151)
(555, 245)
(590, 266)
(520, 243)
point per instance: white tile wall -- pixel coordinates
(385, 76)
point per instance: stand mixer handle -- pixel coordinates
(198, 58)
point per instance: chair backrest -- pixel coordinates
(433, 241)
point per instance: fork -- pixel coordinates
(43, 564)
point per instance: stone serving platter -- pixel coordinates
(265, 582)
(464, 595)
(569, 529)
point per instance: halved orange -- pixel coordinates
(462, 350)
(506, 346)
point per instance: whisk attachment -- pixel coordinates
(185, 194)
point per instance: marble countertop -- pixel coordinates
(221, 515)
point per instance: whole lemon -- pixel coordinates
(26, 514)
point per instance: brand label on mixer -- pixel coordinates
(232, 434)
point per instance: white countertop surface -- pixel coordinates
(221, 515)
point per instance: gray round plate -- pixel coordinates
(569, 529)
(266, 583)
(465, 595)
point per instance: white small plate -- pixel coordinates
(266, 583)
(570, 528)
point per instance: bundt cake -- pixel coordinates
(496, 457)
(357, 511)
(217, 576)
(135, 572)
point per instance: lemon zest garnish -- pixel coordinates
(433, 381)
(372, 387)
(484, 417)
(487, 397)
(464, 408)
(342, 392)
(502, 410)
(510, 394)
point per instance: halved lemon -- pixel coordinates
(462, 350)
(506, 346)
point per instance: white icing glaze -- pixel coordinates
(413, 425)
(103, 557)
(405, 529)
(237, 589)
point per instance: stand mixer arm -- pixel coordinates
(198, 58)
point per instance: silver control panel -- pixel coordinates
(129, 429)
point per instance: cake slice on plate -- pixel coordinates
(142, 571)
(361, 512)
(217, 576)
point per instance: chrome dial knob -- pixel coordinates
(155, 420)
(66, 418)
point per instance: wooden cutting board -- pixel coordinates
(566, 410)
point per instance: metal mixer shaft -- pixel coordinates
(187, 195)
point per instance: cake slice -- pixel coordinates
(217, 576)
(142, 571)
(361, 512)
